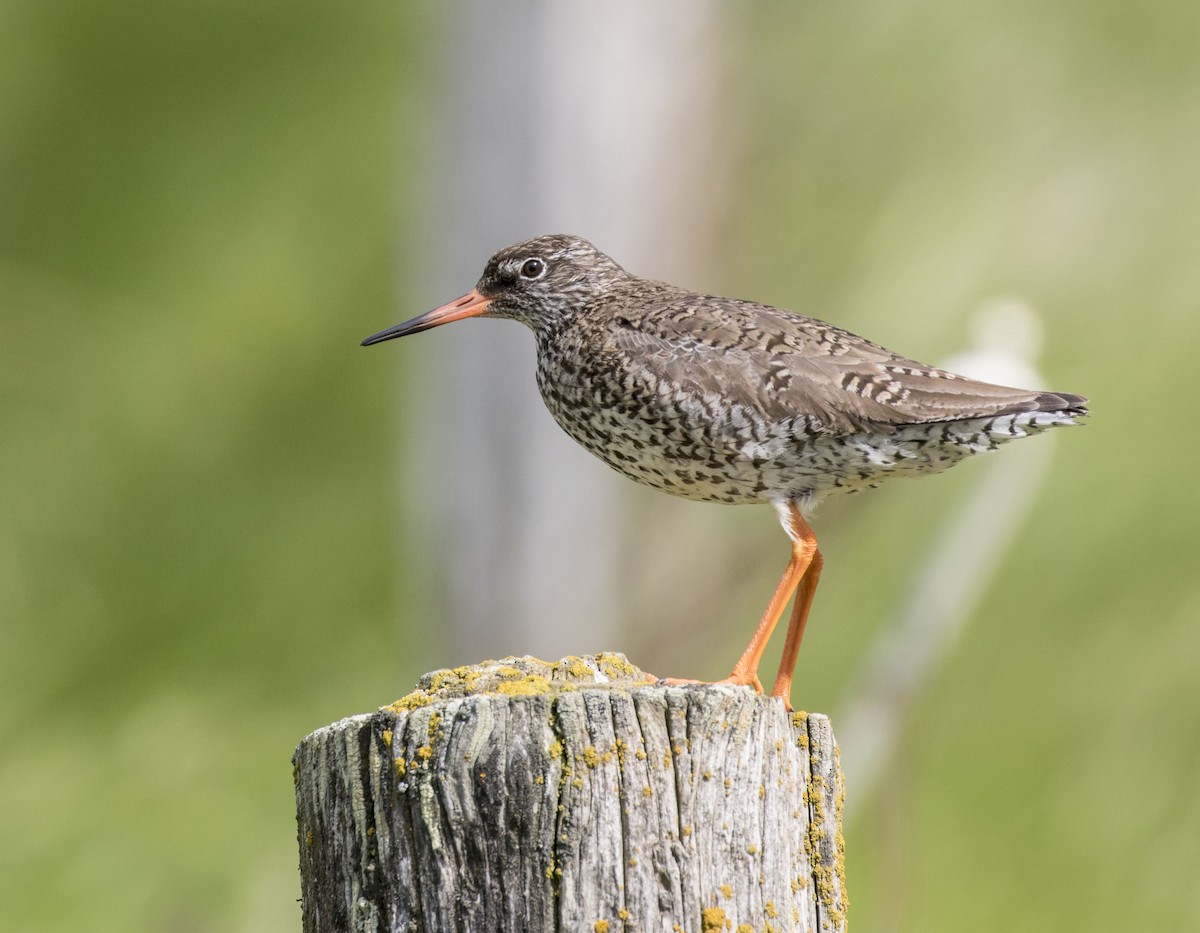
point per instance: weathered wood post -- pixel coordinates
(523, 795)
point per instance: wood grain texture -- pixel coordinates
(524, 795)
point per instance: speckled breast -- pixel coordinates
(696, 447)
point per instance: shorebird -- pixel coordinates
(724, 400)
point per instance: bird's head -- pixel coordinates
(539, 282)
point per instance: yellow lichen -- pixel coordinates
(829, 880)
(517, 677)
(769, 907)
(712, 920)
(401, 767)
(752, 849)
(308, 838)
(726, 891)
(646, 791)
(839, 859)
(468, 673)
(614, 666)
(623, 914)
(600, 926)
(439, 680)
(425, 751)
(414, 700)
(577, 667)
(528, 686)
(386, 735)
(744, 928)
(591, 757)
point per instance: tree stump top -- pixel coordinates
(578, 794)
(525, 677)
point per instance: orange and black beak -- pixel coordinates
(469, 305)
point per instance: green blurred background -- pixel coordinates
(203, 208)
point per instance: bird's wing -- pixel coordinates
(781, 365)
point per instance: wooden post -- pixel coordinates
(578, 795)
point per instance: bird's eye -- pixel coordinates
(532, 269)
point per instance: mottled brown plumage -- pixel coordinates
(724, 400)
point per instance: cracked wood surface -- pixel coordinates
(523, 795)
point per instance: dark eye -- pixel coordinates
(532, 269)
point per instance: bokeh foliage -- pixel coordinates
(199, 215)
(201, 212)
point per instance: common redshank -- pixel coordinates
(725, 400)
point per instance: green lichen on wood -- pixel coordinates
(829, 875)
(579, 668)
(525, 686)
(522, 677)
(411, 701)
(713, 920)
(839, 865)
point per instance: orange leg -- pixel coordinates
(782, 687)
(798, 573)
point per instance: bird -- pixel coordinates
(731, 401)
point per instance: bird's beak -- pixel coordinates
(469, 305)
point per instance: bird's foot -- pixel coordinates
(677, 681)
(782, 690)
(736, 680)
(743, 680)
